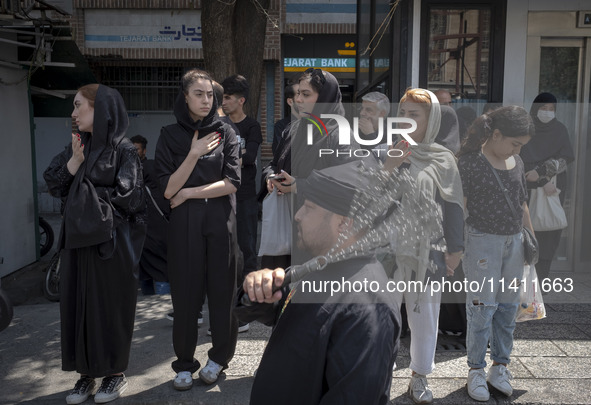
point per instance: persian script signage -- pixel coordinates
(143, 29)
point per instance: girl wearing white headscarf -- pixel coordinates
(434, 168)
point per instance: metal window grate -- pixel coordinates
(144, 88)
(459, 48)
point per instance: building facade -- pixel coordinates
(482, 51)
(142, 48)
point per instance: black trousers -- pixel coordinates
(247, 214)
(199, 263)
(548, 241)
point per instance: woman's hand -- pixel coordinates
(550, 188)
(77, 154)
(532, 176)
(77, 148)
(270, 186)
(206, 144)
(396, 158)
(452, 261)
(285, 186)
(178, 199)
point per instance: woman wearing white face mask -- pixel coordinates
(546, 156)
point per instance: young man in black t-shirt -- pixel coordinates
(235, 95)
(284, 124)
(153, 273)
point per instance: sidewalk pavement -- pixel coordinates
(551, 359)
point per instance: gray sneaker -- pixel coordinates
(477, 388)
(419, 390)
(82, 390)
(111, 388)
(499, 377)
(243, 327)
(183, 381)
(210, 373)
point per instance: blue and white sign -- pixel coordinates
(330, 64)
(327, 11)
(143, 29)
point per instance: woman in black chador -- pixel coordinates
(99, 179)
(198, 168)
(545, 156)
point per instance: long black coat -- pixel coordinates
(101, 240)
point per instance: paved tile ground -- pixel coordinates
(551, 358)
(551, 361)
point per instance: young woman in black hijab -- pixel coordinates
(99, 178)
(198, 168)
(318, 93)
(544, 157)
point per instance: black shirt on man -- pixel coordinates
(250, 132)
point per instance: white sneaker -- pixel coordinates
(499, 377)
(477, 388)
(111, 388)
(210, 373)
(183, 381)
(82, 390)
(419, 390)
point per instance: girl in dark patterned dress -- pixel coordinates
(493, 241)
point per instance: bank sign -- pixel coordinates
(328, 64)
(142, 29)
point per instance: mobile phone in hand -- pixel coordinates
(277, 177)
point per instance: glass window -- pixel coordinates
(559, 74)
(459, 49)
(383, 40)
(585, 255)
(364, 30)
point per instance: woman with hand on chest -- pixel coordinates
(198, 168)
(99, 178)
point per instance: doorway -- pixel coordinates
(561, 66)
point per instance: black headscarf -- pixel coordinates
(551, 139)
(89, 217)
(211, 123)
(305, 157)
(449, 130)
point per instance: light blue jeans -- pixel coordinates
(493, 263)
